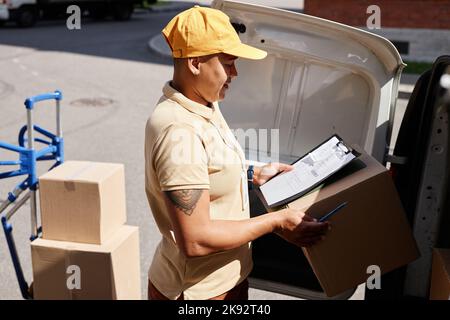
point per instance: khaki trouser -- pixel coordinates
(240, 292)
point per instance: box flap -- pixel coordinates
(108, 246)
(83, 171)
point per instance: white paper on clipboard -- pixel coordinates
(308, 171)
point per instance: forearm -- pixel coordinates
(220, 235)
(197, 234)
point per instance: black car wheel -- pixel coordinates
(99, 12)
(123, 11)
(26, 18)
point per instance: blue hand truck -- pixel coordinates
(28, 158)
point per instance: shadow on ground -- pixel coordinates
(112, 39)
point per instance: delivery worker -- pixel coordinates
(196, 177)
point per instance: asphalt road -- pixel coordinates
(109, 65)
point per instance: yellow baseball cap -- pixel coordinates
(202, 31)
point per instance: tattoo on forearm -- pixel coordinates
(185, 200)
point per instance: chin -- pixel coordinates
(221, 95)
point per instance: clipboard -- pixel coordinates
(340, 147)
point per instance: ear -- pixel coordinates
(193, 65)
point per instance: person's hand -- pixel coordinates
(300, 229)
(264, 173)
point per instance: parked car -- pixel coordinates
(26, 12)
(319, 78)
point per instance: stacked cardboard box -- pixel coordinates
(86, 251)
(440, 275)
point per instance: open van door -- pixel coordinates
(421, 170)
(319, 78)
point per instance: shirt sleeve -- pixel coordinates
(180, 159)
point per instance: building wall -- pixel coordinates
(420, 29)
(423, 45)
(422, 14)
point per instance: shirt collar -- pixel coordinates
(188, 104)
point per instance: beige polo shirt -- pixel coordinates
(190, 146)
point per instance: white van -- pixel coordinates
(26, 12)
(320, 78)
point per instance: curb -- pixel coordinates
(157, 45)
(405, 91)
(171, 6)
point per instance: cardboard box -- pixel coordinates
(440, 275)
(371, 230)
(108, 271)
(82, 201)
